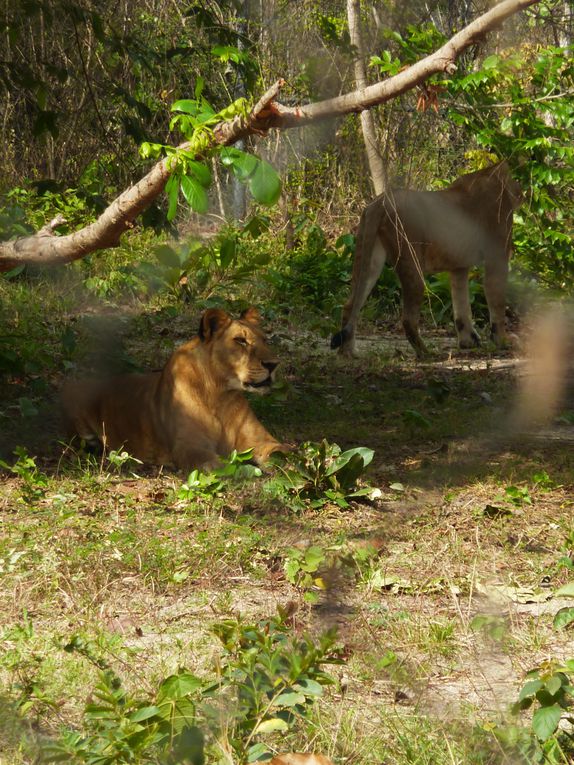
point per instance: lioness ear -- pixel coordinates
(212, 320)
(251, 315)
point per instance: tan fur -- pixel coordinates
(424, 232)
(292, 758)
(191, 413)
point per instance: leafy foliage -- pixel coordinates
(321, 473)
(549, 689)
(237, 468)
(270, 677)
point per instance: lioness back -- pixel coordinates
(191, 413)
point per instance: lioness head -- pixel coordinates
(238, 349)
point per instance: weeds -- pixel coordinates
(321, 473)
(549, 690)
(34, 482)
(269, 678)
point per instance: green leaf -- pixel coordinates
(167, 256)
(310, 687)
(243, 165)
(530, 689)
(491, 62)
(201, 172)
(172, 191)
(199, 84)
(178, 686)
(271, 725)
(194, 193)
(289, 700)
(258, 752)
(265, 184)
(567, 591)
(143, 713)
(545, 721)
(314, 557)
(179, 713)
(365, 453)
(187, 106)
(554, 684)
(563, 618)
(227, 251)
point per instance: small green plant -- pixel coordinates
(34, 481)
(274, 677)
(237, 468)
(119, 459)
(121, 728)
(195, 269)
(267, 680)
(549, 690)
(318, 473)
(302, 569)
(517, 496)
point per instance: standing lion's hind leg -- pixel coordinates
(495, 283)
(468, 337)
(413, 286)
(365, 280)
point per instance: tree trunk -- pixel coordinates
(376, 166)
(46, 249)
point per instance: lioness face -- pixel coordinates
(241, 351)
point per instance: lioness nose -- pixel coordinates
(270, 365)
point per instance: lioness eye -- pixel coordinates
(241, 340)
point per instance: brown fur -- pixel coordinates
(292, 758)
(423, 232)
(191, 413)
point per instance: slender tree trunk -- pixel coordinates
(376, 166)
(239, 190)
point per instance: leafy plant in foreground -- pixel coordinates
(318, 473)
(267, 680)
(120, 728)
(275, 677)
(549, 689)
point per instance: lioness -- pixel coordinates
(423, 232)
(193, 411)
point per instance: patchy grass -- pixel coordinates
(441, 585)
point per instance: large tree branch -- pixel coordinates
(44, 248)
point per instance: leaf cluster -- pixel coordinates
(267, 679)
(318, 473)
(550, 690)
(237, 468)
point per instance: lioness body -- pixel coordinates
(191, 413)
(424, 232)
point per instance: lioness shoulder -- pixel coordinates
(191, 413)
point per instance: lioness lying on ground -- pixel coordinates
(423, 232)
(191, 413)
